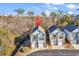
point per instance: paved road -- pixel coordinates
(55, 53)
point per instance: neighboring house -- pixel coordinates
(72, 32)
(77, 37)
(38, 37)
(57, 36)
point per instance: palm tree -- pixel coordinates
(43, 14)
(30, 13)
(19, 11)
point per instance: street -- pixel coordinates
(55, 53)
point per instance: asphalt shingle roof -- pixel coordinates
(52, 28)
(70, 27)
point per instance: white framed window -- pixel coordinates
(54, 36)
(78, 34)
(41, 37)
(61, 37)
(34, 38)
(74, 34)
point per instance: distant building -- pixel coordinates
(38, 37)
(72, 33)
(57, 36)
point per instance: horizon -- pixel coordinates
(37, 8)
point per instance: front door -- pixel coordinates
(61, 40)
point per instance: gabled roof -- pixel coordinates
(70, 27)
(39, 28)
(34, 29)
(52, 28)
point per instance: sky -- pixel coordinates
(37, 8)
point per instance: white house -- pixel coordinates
(72, 32)
(57, 36)
(38, 37)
